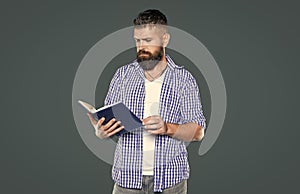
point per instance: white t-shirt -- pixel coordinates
(152, 97)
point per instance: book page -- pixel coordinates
(87, 106)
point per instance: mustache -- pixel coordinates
(144, 52)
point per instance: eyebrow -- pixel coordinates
(147, 38)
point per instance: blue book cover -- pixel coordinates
(118, 111)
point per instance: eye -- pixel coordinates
(137, 40)
(148, 40)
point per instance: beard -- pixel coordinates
(149, 60)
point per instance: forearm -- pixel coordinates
(186, 132)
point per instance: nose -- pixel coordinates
(141, 46)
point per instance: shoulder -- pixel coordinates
(184, 76)
(125, 70)
(180, 71)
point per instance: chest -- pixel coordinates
(168, 93)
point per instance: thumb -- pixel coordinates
(92, 119)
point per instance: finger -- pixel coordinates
(157, 117)
(115, 131)
(153, 126)
(92, 119)
(109, 124)
(100, 121)
(145, 120)
(113, 127)
(151, 121)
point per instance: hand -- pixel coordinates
(107, 130)
(155, 125)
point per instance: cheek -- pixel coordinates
(153, 49)
(156, 43)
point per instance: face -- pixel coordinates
(150, 46)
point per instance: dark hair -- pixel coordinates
(150, 16)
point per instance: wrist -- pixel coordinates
(171, 129)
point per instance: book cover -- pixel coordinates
(118, 111)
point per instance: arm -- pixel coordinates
(185, 132)
(192, 116)
(113, 95)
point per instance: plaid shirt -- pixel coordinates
(179, 103)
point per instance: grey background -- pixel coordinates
(255, 43)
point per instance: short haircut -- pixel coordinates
(150, 16)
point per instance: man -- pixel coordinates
(166, 97)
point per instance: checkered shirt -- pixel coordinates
(179, 103)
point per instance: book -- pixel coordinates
(118, 111)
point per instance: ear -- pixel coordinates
(166, 38)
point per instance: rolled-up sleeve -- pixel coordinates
(191, 107)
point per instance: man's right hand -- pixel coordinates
(107, 130)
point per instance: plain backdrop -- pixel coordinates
(255, 43)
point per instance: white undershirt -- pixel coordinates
(151, 107)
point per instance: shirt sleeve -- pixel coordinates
(191, 107)
(113, 94)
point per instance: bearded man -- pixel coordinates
(166, 98)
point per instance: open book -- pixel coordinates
(118, 111)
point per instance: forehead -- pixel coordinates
(147, 31)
